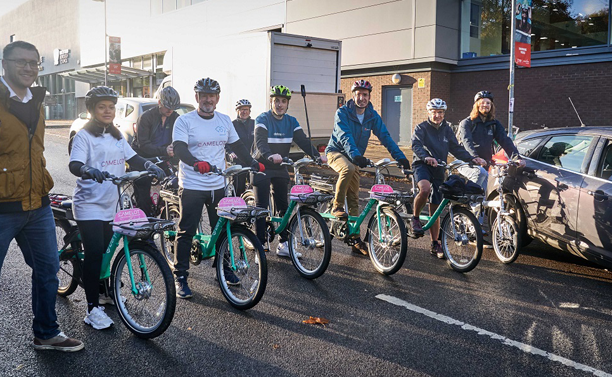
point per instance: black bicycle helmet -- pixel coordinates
(280, 91)
(170, 98)
(483, 94)
(97, 94)
(207, 85)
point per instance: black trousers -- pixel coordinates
(96, 236)
(142, 192)
(261, 187)
(192, 204)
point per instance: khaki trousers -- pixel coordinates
(348, 182)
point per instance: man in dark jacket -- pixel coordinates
(25, 214)
(477, 133)
(354, 124)
(154, 139)
(245, 128)
(432, 140)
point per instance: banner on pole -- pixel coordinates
(114, 55)
(522, 34)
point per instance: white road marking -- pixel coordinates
(509, 342)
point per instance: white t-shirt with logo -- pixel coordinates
(205, 139)
(93, 200)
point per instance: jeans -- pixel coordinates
(192, 204)
(477, 174)
(348, 182)
(261, 188)
(34, 232)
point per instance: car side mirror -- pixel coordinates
(83, 116)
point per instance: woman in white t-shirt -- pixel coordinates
(98, 151)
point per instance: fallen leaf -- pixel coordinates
(188, 328)
(20, 367)
(316, 321)
(275, 346)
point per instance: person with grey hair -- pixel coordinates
(25, 211)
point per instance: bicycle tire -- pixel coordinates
(70, 271)
(252, 281)
(461, 255)
(506, 244)
(315, 257)
(149, 313)
(166, 242)
(386, 258)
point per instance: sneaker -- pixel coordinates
(60, 342)
(360, 248)
(98, 319)
(436, 249)
(339, 213)
(182, 288)
(230, 276)
(282, 250)
(417, 228)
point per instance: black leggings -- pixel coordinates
(261, 188)
(96, 236)
(192, 204)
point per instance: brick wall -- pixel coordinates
(541, 95)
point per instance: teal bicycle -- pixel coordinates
(386, 232)
(139, 275)
(460, 231)
(237, 251)
(308, 236)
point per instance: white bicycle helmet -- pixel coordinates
(243, 102)
(436, 104)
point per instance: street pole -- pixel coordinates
(511, 85)
(106, 49)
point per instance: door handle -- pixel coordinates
(598, 195)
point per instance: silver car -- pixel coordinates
(127, 112)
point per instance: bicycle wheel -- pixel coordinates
(69, 271)
(147, 307)
(164, 241)
(387, 241)
(462, 253)
(506, 239)
(312, 240)
(243, 283)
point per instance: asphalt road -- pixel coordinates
(546, 314)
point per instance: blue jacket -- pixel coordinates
(350, 137)
(429, 141)
(477, 137)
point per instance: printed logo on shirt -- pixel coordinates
(118, 144)
(490, 132)
(445, 140)
(221, 130)
(279, 134)
(120, 161)
(215, 143)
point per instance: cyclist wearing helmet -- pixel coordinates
(153, 138)
(98, 151)
(274, 133)
(354, 124)
(432, 140)
(245, 128)
(477, 133)
(199, 140)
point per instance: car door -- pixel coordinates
(552, 193)
(595, 207)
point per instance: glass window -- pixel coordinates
(156, 7)
(119, 109)
(605, 170)
(168, 6)
(555, 24)
(525, 147)
(146, 62)
(128, 110)
(566, 151)
(182, 3)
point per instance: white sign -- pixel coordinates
(398, 98)
(511, 105)
(61, 56)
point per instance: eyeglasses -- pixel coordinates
(20, 63)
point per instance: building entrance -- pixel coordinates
(397, 112)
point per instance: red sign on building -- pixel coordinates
(114, 55)
(522, 54)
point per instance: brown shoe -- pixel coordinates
(59, 343)
(360, 248)
(339, 213)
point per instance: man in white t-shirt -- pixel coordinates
(199, 140)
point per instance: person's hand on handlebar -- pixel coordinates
(404, 163)
(152, 168)
(87, 172)
(431, 161)
(361, 161)
(170, 150)
(479, 161)
(202, 167)
(276, 158)
(521, 163)
(323, 159)
(258, 166)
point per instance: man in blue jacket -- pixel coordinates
(432, 140)
(354, 123)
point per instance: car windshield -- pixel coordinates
(184, 109)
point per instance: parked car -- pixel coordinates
(127, 111)
(564, 194)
